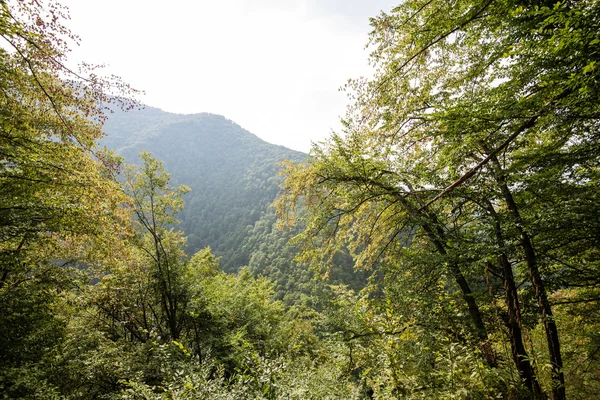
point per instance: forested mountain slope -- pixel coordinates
(467, 178)
(233, 179)
(232, 173)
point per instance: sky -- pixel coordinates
(272, 66)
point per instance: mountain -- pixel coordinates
(232, 173)
(234, 180)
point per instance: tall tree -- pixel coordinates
(59, 201)
(155, 204)
(56, 186)
(477, 132)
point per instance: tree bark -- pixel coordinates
(558, 379)
(518, 350)
(434, 231)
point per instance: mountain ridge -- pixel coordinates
(232, 172)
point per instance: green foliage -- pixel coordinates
(232, 173)
(155, 205)
(59, 203)
(34, 314)
(469, 162)
(273, 256)
(464, 188)
(236, 341)
(279, 379)
(394, 351)
(55, 186)
(233, 177)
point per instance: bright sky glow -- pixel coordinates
(272, 66)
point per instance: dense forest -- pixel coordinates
(204, 151)
(233, 179)
(444, 245)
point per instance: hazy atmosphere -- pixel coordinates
(443, 244)
(274, 67)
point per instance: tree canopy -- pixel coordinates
(470, 160)
(464, 187)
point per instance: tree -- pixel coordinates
(154, 205)
(53, 180)
(462, 157)
(59, 201)
(56, 186)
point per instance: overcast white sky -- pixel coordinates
(272, 66)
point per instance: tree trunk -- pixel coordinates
(558, 379)
(518, 350)
(437, 238)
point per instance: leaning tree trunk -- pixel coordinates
(519, 353)
(558, 378)
(435, 233)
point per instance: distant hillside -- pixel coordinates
(233, 177)
(232, 173)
